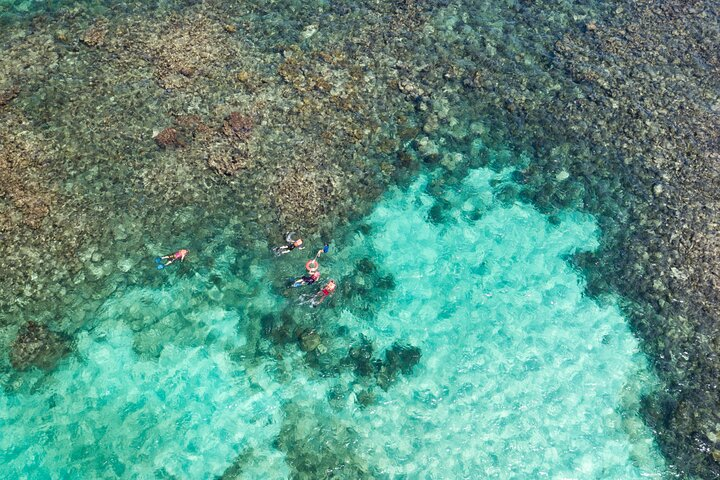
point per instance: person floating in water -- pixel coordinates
(313, 277)
(291, 245)
(325, 249)
(179, 255)
(320, 296)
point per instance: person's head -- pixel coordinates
(298, 243)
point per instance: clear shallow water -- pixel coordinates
(520, 376)
(523, 377)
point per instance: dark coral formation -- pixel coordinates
(317, 448)
(399, 358)
(309, 340)
(37, 346)
(280, 329)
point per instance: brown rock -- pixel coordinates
(238, 126)
(168, 138)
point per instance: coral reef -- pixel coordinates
(299, 119)
(662, 123)
(632, 143)
(37, 346)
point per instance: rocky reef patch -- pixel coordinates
(37, 346)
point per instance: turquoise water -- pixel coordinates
(521, 375)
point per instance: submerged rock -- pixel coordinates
(238, 126)
(168, 138)
(360, 356)
(37, 346)
(309, 340)
(402, 357)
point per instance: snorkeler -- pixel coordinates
(179, 255)
(325, 249)
(291, 245)
(313, 277)
(320, 296)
